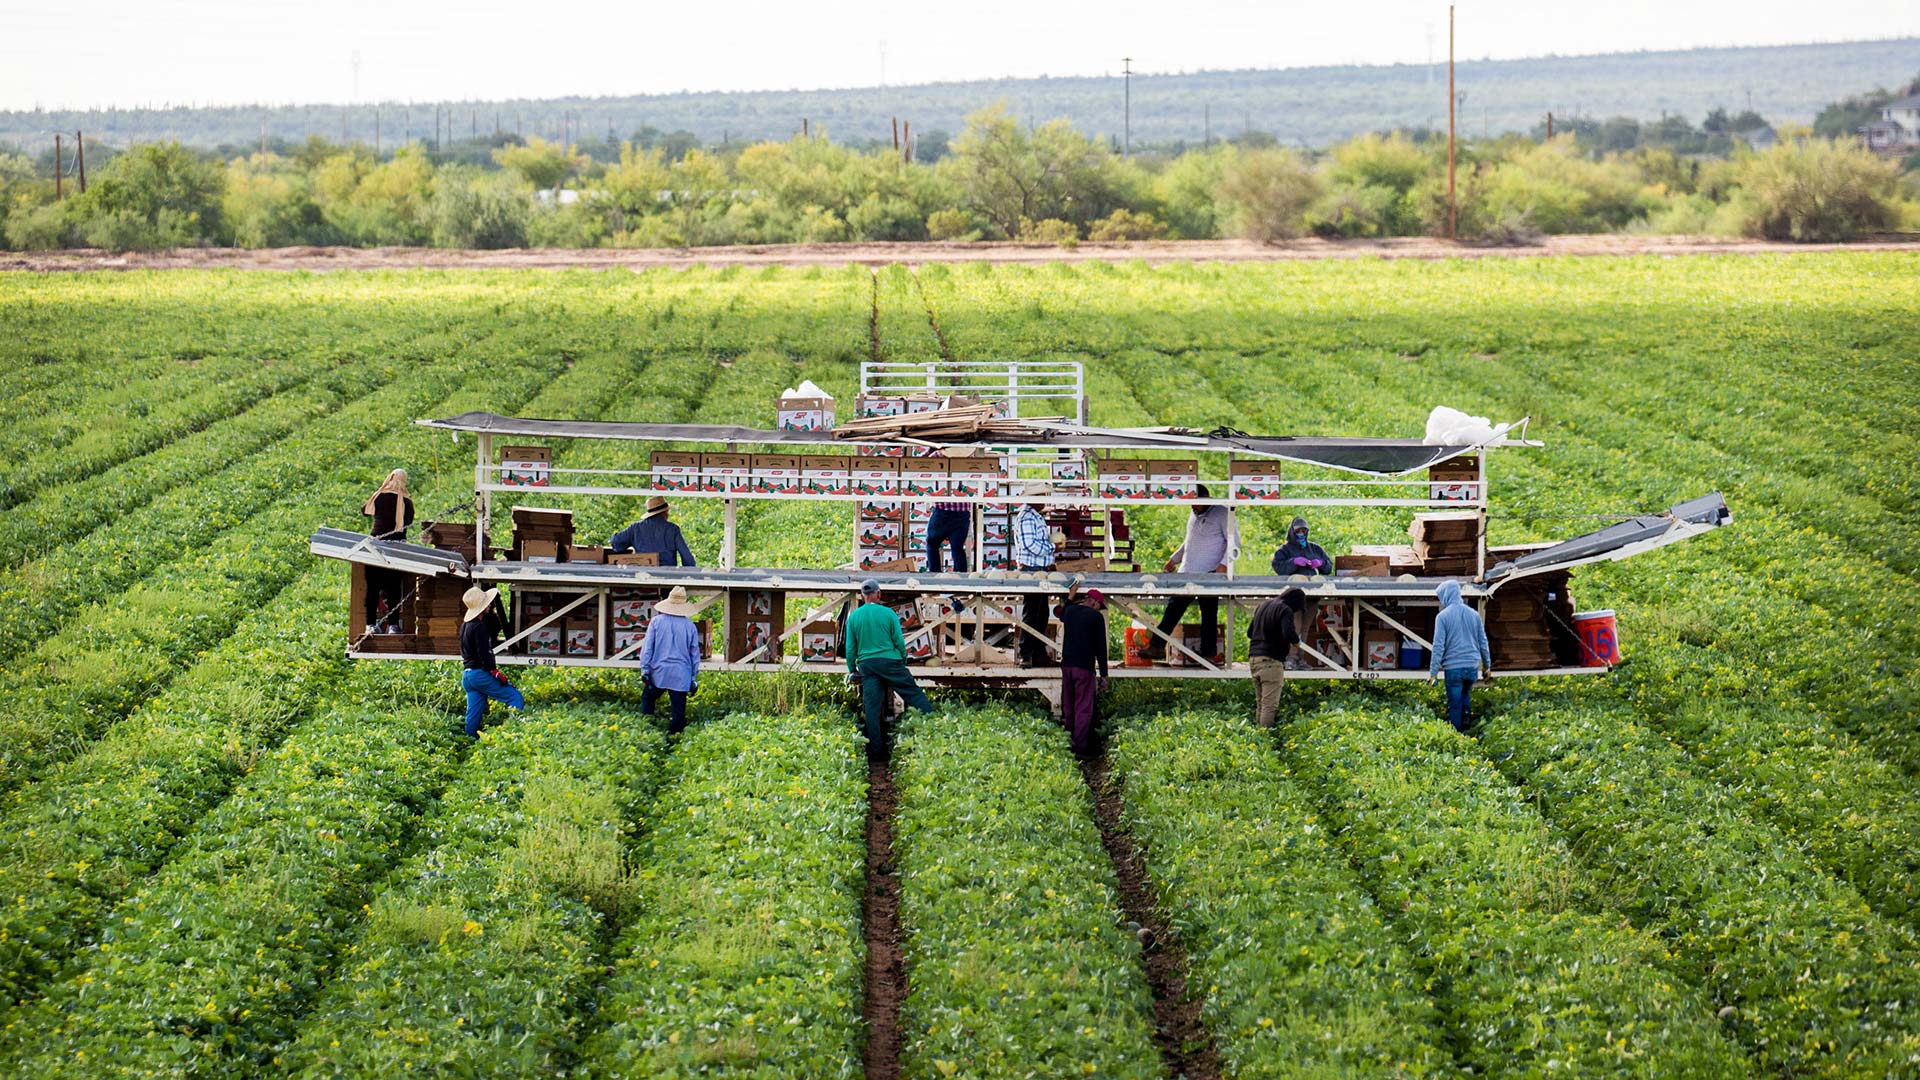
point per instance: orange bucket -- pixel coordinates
(1138, 645)
(1599, 638)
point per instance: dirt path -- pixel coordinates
(886, 981)
(340, 258)
(1184, 1042)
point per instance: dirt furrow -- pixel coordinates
(886, 982)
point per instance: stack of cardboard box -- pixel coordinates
(806, 408)
(526, 466)
(457, 536)
(1457, 480)
(1530, 623)
(541, 534)
(1448, 544)
(755, 617)
(1255, 479)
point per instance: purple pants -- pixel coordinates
(1077, 687)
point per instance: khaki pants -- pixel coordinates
(1269, 675)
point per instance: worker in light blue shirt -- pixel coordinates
(654, 533)
(670, 657)
(1035, 551)
(1460, 650)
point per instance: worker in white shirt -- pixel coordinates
(1211, 546)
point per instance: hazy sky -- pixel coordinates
(136, 52)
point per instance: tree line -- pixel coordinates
(998, 179)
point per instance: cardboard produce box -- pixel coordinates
(879, 534)
(526, 466)
(825, 474)
(1452, 526)
(460, 536)
(880, 510)
(919, 513)
(1457, 480)
(804, 413)
(924, 476)
(820, 642)
(867, 450)
(1381, 649)
(1188, 634)
(996, 556)
(546, 641)
(1121, 478)
(583, 636)
(879, 405)
(541, 551)
(916, 536)
(623, 640)
(776, 474)
(1255, 479)
(731, 473)
(878, 557)
(875, 476)
(1173, 479)
(975, 476)
(1068, 469)
(578, 554)
(627, 610)
(634, 558)
(674, 470)
(1363, 566)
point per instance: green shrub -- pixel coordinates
(480, 211)
(1048, 231)
(40, 229)
(1266, 194)
(1816, 190)
(1127, 225)
(951, 225)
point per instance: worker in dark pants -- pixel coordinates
(1083, 665)
(1034, 552)
(877, 655)
(391, 511)
(670, 658)
(1212, 544)
(950, 525)
(481, 679)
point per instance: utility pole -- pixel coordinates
(80, 151)
(59, 151)
(896, 133)
(1126, 75)
(1453, 208)
(906, 142)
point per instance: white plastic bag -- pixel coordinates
(1451, 427)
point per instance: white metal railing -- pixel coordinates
(1011, 381)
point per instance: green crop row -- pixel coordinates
(62, 514)
(1492, 902)
(120, 650)
(903, 326)
(477, 960)
(195, 972)
(1300, 976)
(1017, 963)
(1817, 983)
(744, 956)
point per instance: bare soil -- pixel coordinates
(1178, 1031)
(877, 254)
(886, 981)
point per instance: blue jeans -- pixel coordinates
(481, 685)
(950, 527)
(1460, 682)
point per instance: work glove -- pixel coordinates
(692, 690)
(1100, 685)
(501, 675)
(1304, 563)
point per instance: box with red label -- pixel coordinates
(919, 403)
(920, 511)
(526, 466)
(776, 474)
(876, 476)
(675, 471)
(819, 642)
(546, 641)
(1173, 479)
(921, 647)
(1255, 479)
(880, 510)
(628, 639)
(872, 557)
(879, 405)
(631, 614)
(916, 536)
(870, 451)
(996, 527)
(726, 472)
(824, 474)
(923, 476)
(1068, 469)
(878, 534)
(1457, 480)
(805, 413)
(1121, 478)
(974, 476)
(997, 556)
(581, 638)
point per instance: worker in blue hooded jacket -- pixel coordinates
(1460, 650)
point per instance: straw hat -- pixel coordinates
(478, 600)
(676, 603)
(655, 507)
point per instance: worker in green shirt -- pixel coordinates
(876, 653)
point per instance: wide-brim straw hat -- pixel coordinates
(676, 603)
(478, 600)
(655, 507)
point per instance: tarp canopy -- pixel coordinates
(1379, 457)
(1621, 539)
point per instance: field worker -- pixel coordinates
(481, 679)
(670, 658)
(391, 511)
(1034, 551)
(1083, 664)
(877, 656)
(1460, 650)
(1211, 545)
(653, 534)
(1271, 636)
(951, 524)
(1300, 555)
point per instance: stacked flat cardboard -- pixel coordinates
(457, 536)
(541, 534)
(1448, 544)
(1399, 557)
(1530, 623)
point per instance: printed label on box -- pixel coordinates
(631, 614)
(545, 641)
(818, 645)
(879, 534)
(879, 510)
(871, 557)
(580, 642)
(628, 639)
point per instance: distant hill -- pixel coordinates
(1314, 105)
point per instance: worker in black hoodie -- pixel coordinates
(1270, 636)
(1300, 555)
